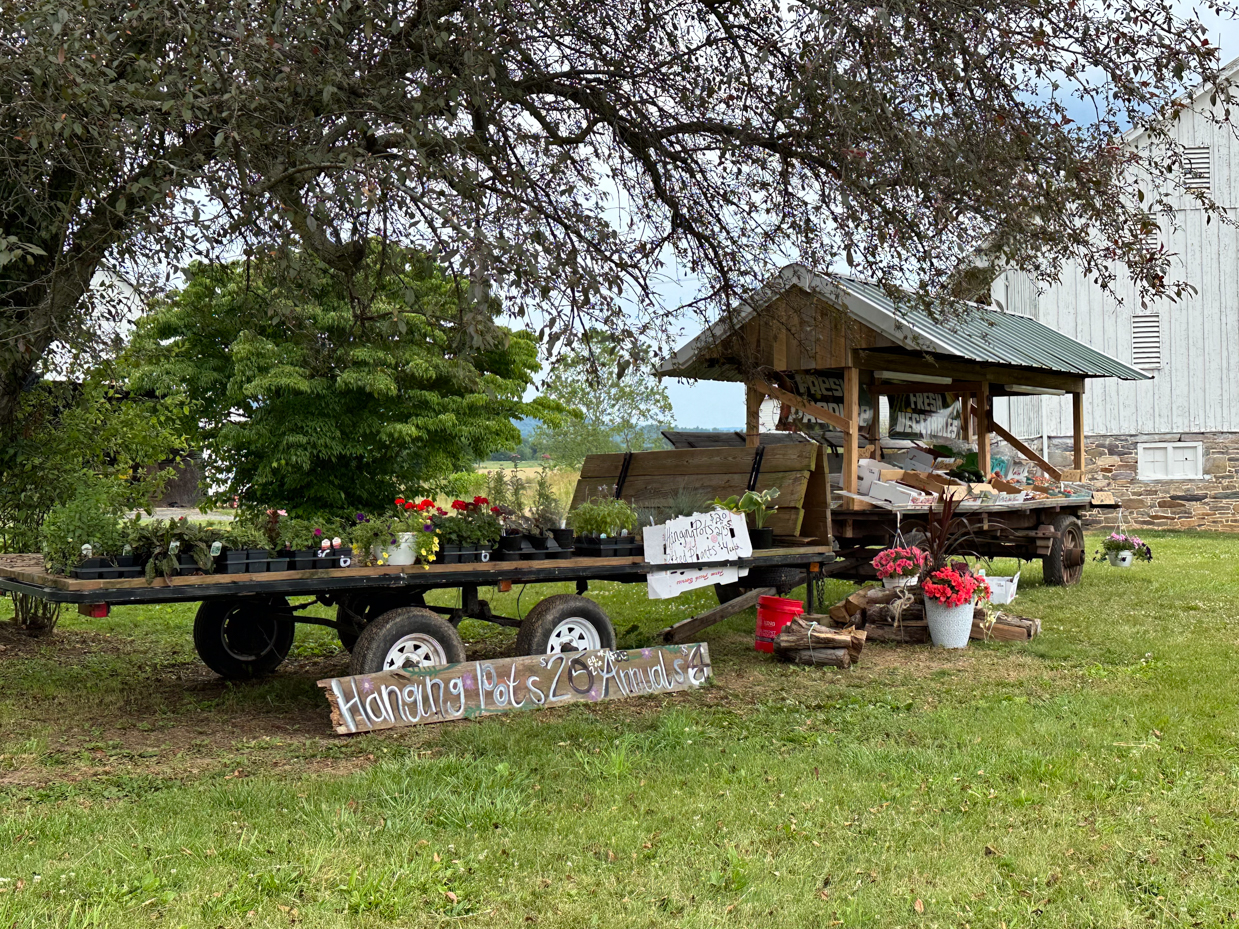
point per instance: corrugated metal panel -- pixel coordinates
(1000, 338)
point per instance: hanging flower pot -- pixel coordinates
(1121, 559)
(899, 566)
(1121, 549)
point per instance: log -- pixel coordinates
(908, 633)
(687, 629)
(832, 657)
(813, 633)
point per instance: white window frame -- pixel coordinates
(1144, 474)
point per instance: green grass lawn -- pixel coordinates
(1089, 778)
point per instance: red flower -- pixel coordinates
(496, 510)
(480, 501)
(459, 505)
(425, 505)
(400, 501)
(440, 511)
(410, 505)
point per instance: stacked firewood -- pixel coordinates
(813, 640)
(899, 616)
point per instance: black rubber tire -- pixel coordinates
(244, 638)
(381, 635)
(1071, 538)
(356, 612)
(535, 632)
(727, 592)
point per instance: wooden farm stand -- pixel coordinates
(850, 331)
(245, 625)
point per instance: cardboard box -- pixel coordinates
(899, 494)
(869, 470)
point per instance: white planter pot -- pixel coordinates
(1120, 559)
(402, 553)
(891, 583)
(949, 626)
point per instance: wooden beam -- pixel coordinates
(965, 416)
(964, 370)
(686, 630)
(1027, 452)
(1077, 430)
(851, 411)
(752, 415)
(812, 409)
(983, 428)
(956, 387)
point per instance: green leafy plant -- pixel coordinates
(547, 512)
(87, 525)
(730, 504)
(757, 505)
(588, 519)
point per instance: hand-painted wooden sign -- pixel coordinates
(479, 688)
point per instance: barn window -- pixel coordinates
(1169, 461)
(1196, 164)
(1146, 342)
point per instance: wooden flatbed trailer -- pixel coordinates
(1050, 530)
(245, 625)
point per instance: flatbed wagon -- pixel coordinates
(245, 625)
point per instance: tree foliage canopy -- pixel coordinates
(565, 153)
(612, 405)
(320, 395)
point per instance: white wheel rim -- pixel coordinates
(573, 634)
(415, 651)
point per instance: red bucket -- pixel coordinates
(773, 613)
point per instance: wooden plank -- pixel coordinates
(1077, 431)
(1027, 452)
(812, 409)
(983, 430)
(963, 370)
(688, 628)
(851, 407)
(472, 689)
(661, 490)
(752, 416)
(675, 462)
(956, 387)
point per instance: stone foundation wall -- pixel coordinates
(1111, 464)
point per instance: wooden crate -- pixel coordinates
(654, 478)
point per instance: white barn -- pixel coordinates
(1168, 447)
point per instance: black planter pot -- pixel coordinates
(344, 556)
(325, 562)
(255, 561)
(562, 537)
(510, 543)
(129, 566)
(595, 547)
(278, 562)
(187, 565)
(762, 538)
(231, 561)
(302, 559)
(629, 547)
(537, 542)
(449, 553)
(531, 553)
(93, 569)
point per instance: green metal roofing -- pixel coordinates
(983, 334)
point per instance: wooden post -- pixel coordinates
(1077, 432)
(965, 416)
(752, 416)
(851, 412)
(983, 414)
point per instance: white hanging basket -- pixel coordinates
(1120, 559)
(892, 583)
(402, 553)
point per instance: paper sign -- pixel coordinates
(702, 537)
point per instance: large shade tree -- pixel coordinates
(565, 152)
(321, 394)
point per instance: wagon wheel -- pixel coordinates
(406, 639)
(564, 623)
(244, 638)
(1064, 565)
(354, 613)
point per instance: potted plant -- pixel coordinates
(756, 506)
(621, 521)
(84, 535)
(245, 549)
(898, 566)
(588, 521)
(1121, 550)
(546, 515)
(950, 593)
